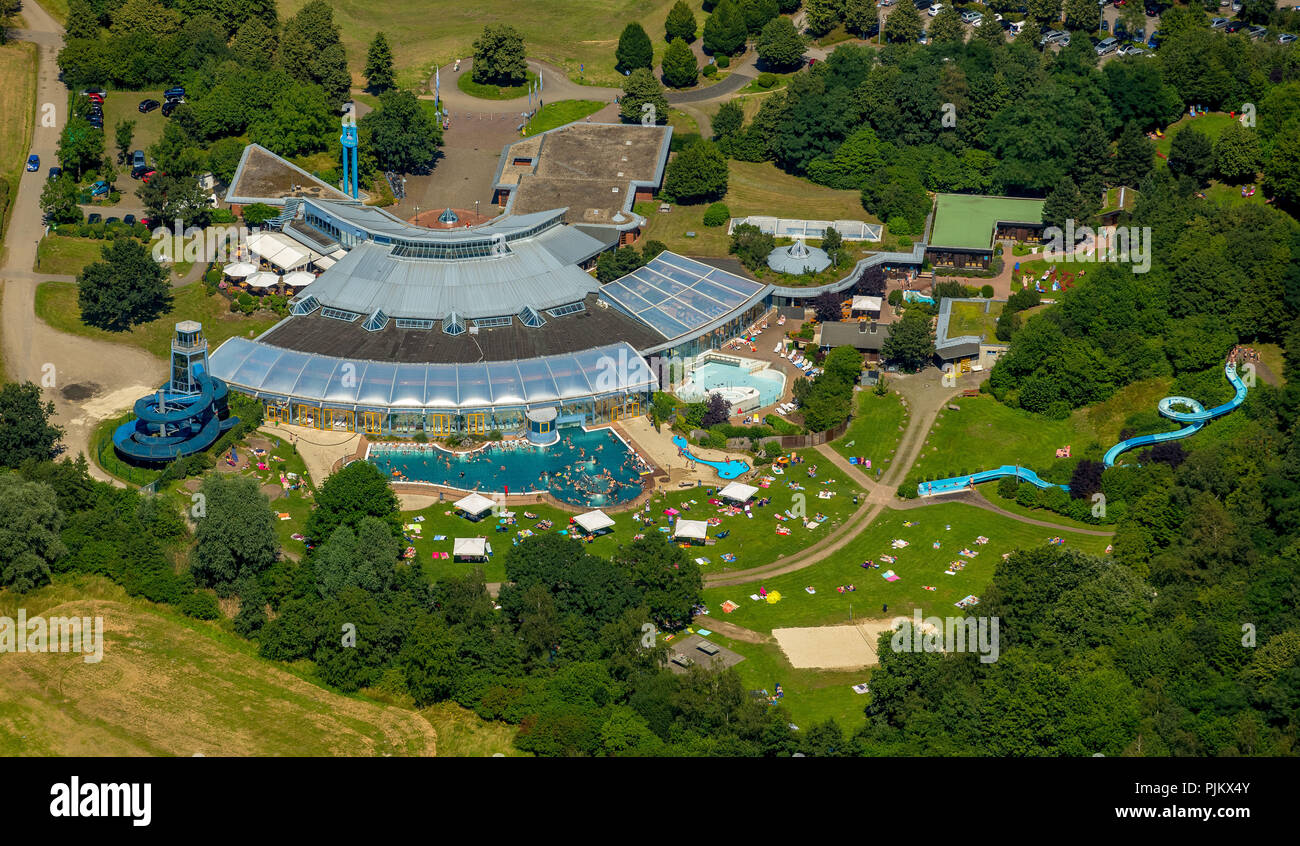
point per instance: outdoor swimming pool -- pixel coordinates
(584, 468)
(718, 375)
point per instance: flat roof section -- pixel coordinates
(262, 176)
(968, 221)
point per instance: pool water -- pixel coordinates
(713, 375)
(584, 468)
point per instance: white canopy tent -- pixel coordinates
(281, 251)
(263, 279)
(298, 279)
(475, 505)
(861, 303)
(240, 269)
(594, 521)
(470, 548)
(738, 492)
(691, 529)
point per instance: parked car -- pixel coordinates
(1218, 23)
(100, 188)
(33, 163)
(95, 217)
(1131, 50)
(1105, 25)
(1285, 38)
(128, 219)
(971, 17)
(169, 107)
(886, 2)
(137, 159)
(1258, 31)
(55, 171)
(147, 106)
(935, 9)
(109, 220)
(177, 94)
(1053, 36)
(147, 176)
(1107, 45)
(1154, 41)
(94, 92)
(1234, 26)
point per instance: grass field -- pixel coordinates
(918, 565)
(752, 540)
(57, 9)
(752, 188)
(169, 685)
(567, 33)
(60, 254)
(125, 105)
(558, 114)
(875, 430)
(56, 304)
(811, 696)
(17, 104)
(1211, 126)
(465, 82)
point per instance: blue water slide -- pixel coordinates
(726, 469)
(1169, 407)
(183, 425)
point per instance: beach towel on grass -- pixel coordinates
(889, 576)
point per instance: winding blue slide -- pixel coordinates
(168, 425)
(1196, 420)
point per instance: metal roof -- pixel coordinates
(269, 371)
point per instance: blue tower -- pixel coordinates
(186, 415)
(349, 141)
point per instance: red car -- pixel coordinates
(145, 179)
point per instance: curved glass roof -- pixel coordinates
(260, 368)
(676, 296)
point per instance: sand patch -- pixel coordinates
(850, 647)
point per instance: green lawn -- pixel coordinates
(971, 319)
(1211, 126)
(875, 430)
(56, 304)
(17, 99)
(62, 254)
(465, 82)
(125, 105)
(558, 114)
(954, 525)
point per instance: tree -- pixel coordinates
(910, 344)
(642, 90)
(169, 198)
(903, 26)
(125, 289)
(30, 521)
(151, 16)
(1191, 154)
(1282, 170)
(330, 71)
(613, 264)
(258, 213)
(724, 30)
(751, 245)
(990, 31)
(833, 244)
(860, 16)
(680, 70)
(1086, 479)
(26, 433)
(728, 121)
(224, 156)
(254, 45)
(499, 56)
(697, 174)
(59, 200)
(757, 13)
(780, 46)
(1063, 203)
(634, 49)
(1082, 15)
(946, 28)
(299, 121)
(353, 493)
(123, 132)
(821, 16)
(1134, 156)
(379, 65)
(363, 558)
(83, 20)
(235, 534)
(668, 580)
(1045, 12)
(681, 23)
(81, 147)
(716, 410)
(1237, 153)
(401, 134)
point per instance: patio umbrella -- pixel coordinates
(264, 279)
(240, 269)
(298, 279)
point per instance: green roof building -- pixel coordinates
(966, 227)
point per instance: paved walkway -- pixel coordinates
(87, 380)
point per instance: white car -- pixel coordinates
(935, 9)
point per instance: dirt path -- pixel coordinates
(87, 380)
(731, 630)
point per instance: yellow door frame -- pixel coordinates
(304, 410)
(374, 422)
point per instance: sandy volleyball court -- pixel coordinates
(848, 647)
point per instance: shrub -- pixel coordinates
(200, 606)
(723, 60)
(766, 80)
(717, 214)
(986, 292)
(709, 71)
(222, 216)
